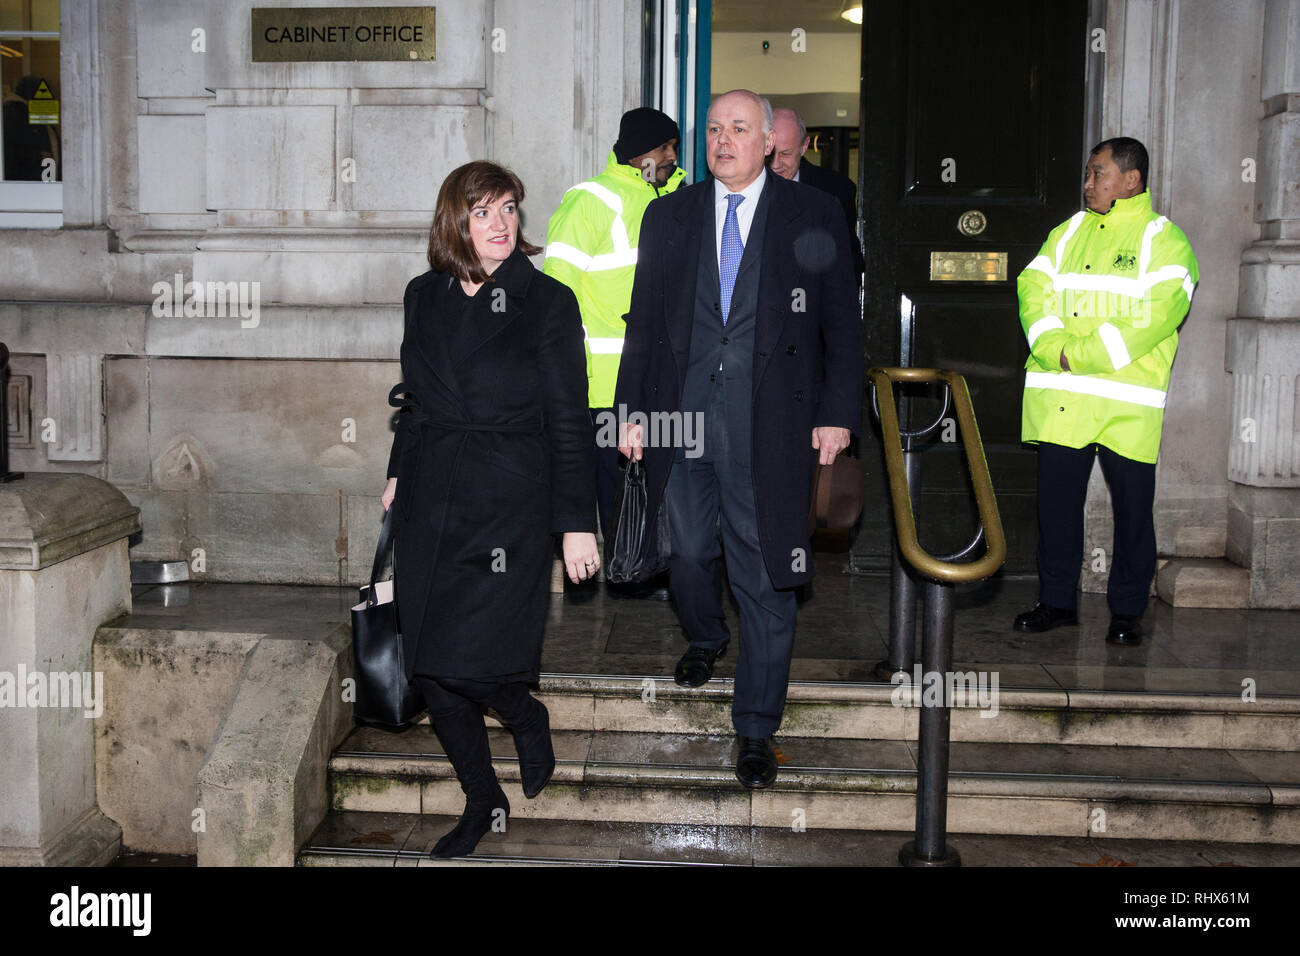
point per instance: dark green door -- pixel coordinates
(971, 151)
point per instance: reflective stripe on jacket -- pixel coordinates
(1110, 290)
(591, 244)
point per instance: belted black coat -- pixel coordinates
(808, 362)
(493, 456)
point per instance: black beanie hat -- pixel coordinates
(642, 130)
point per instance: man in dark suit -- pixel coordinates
(743, 317)
(790, 142)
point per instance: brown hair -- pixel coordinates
(451, 249)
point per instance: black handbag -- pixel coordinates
(636, 553)
(384, 696)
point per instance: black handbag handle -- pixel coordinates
(381, 551)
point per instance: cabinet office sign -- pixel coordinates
(322, 34)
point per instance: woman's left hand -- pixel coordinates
(581, 557)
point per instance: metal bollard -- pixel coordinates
(902, 592)
(903, 583)
(929, 848)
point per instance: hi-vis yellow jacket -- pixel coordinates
(591, 244)
(1111, 290)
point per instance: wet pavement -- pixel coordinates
(842, 633)
(395, 839)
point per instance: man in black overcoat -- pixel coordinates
(790, 143)
(743, 316)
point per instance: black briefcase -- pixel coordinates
(384, 696)
(635, 553)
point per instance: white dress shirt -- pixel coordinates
(744, 212)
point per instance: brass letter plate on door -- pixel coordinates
(968, 266)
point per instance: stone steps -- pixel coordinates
(654, 758)
(403, 839)
(400, 839)
(1203, 582)
(856, 784)
(868, 711)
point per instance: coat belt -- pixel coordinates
(534, 426)
(416, 419)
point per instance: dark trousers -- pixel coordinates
(606, 475)
(456, 712)
(703, 494)
(1062, 492)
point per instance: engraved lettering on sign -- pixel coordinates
(323, 34)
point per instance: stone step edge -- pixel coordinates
(848, 781)
(323, 853)
(310, 857)
(546, 855)
(833, 692)
(829, 692)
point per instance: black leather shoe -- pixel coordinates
(696, 665)
(756, 764)
(1044, 617)
(645, 591)
(1124, 630)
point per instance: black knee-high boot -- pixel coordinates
(530, 725)
(459, 727)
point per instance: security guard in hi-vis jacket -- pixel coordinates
(1101, 306)
(591, 246)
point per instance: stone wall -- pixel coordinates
(263, 439)
(1263, 340)
(257, 440)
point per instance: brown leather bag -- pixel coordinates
(837, 495)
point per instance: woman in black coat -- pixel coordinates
(491, 459)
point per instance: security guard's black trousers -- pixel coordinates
(1062, 492)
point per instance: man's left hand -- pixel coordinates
(830, 441)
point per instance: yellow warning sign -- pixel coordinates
(43, 108)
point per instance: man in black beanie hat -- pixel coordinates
(591, 246)
(646, 135)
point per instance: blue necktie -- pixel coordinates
(732, 250)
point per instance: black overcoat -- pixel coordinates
(493, 455)
(808, 362)
(845, 193)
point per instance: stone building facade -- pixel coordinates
(254, 442)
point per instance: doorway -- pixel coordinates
(962, 126)
(972, 122)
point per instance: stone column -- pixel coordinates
(64, 570)
(1263, 339)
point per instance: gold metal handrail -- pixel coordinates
(928, 565)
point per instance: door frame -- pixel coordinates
(887, 325)
(677, 44)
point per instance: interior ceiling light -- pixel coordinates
(10, 51)
(853, 14)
